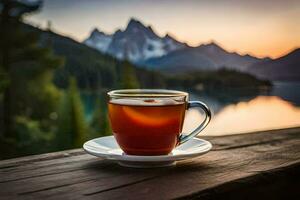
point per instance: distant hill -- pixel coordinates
(204, 57)
(285, 68)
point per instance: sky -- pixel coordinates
(256, 27)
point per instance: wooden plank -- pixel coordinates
(236, 166)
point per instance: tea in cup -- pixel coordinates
(149, 122)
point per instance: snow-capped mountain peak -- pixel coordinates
(99, 40)
(134, 24)
(136, 43)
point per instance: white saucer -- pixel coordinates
(107, 148)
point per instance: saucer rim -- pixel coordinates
(139, 158)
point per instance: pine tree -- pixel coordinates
(72, 128)
(25, 68)
(106, 124)
(128, 76)
(100, 121)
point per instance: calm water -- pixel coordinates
(232, 114)
(278, 108)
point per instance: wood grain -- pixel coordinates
(260, 165)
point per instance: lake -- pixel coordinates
(233, 114)
(278, 108)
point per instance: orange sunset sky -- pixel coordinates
(260, 28)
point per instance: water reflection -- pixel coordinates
(234, 113)
(260, 113)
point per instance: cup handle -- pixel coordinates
(192, 104)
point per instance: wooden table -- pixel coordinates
(262, 165)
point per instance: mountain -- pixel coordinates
(142, 46)
(204, 57)
(136, 43)
(285, 68)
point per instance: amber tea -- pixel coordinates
(146, 127)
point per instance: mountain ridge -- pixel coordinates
(140, 44)
(210, 56)
(284, 68)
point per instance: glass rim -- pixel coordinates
(144, 93)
